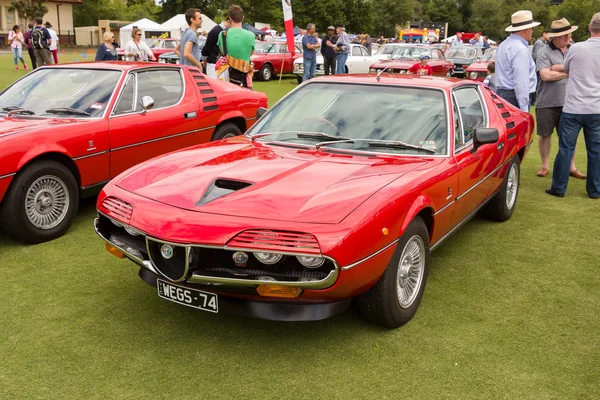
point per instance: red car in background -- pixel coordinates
(478, 70)
(268, 58)
(67, 129)
(405, 57)
(159, 46)
(338, 192)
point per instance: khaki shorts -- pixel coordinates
(547, 120)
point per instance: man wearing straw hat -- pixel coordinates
(551, 90)
(515, 69)
(581, 110)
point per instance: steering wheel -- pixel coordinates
(45, 99)
(327, 122)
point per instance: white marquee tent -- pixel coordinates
(144, 24)
(177, 25)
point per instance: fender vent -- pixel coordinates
(221, 187)
(116, 208)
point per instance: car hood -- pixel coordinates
(478, 66)
(283, 183)
(460, 61)
(15, 124)
(395, 64)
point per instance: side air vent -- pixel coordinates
(221, 187)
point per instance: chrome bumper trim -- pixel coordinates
(8, 175)
(325, 283)
(347, 267)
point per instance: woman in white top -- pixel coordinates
(54, 45)
(137, 49)
(16, 40)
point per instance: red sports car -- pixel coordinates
(405, 57)
(340, 191)
(478, 70)
(269, 57)
(66, 130)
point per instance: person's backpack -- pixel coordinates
(37, 39)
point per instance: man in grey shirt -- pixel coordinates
(189, 52)
(551, 91)
(541, 42)
(581, 110)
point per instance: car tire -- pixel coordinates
(449, 74)
(391, 302)
(299, 78)
(501, 207)
(266, 73)
(41, 203)
(225, 131)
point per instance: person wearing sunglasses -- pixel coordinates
(106, 50)
(137, 49)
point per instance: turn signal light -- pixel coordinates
(278, 291)
(114, 251)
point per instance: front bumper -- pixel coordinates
(269, 310)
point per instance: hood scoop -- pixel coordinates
(221, 187)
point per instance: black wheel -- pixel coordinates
(226, 130)
(299, 78)
(449, 74)
(41, 203)
(346, 69)
(501, 207)
(394, 299)
(266, 73)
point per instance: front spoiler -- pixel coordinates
(269, 310)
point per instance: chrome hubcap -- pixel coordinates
(228, 135)
(267, 74)
(47, 202)
(512, 186)
(410, 271)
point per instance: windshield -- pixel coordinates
(87, 90)
(265, 47)
(409, 53)
(464, 52)
(489, 55)
(412, 115)
(387, 49)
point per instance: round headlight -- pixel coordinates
(311, 261)
(131, 231)
(268, 258)
(372, 70)
(162, 61)
(403, 71)
(473, 75)
(117, 224)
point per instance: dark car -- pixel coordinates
(462, 57)
(171, 57)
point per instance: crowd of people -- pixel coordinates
(563, 79)
(40, 40)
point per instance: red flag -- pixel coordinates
(288, 23)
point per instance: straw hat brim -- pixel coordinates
(522, 28)
(557, 34)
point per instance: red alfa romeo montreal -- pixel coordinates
(339, 192)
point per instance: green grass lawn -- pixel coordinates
(511, 310)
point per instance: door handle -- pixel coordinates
(190, 115)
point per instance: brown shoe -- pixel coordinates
(542, 172)
(576, 174)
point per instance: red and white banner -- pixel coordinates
(288, 23)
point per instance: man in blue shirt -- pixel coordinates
(310, 44)
(515, 69)
(343, 49)
(189, 51)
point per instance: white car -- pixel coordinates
(358, 62)
(386, 51)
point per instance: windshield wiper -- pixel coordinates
(17, 110)
(320, 135)
(68, 111)
(396, 144)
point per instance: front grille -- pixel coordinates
(276, 241)
(176, 266)
(114, 207)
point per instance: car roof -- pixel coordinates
(434, 82)
(114, 65)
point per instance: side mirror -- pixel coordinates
(483, 136)
(260, 112)
(147, 103)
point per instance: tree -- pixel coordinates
(389, 13)
(443, 11)
(578, 12)
(29, 9)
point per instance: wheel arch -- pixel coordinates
(58, 157)
(240, 122)
(421, 207)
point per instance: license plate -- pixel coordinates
(188, 297)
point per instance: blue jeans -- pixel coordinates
(570, 125)
(340, 68)
(310, 69)
(17, 55)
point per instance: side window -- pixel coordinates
(469, 105)
(164, 86)
(440, 54)
(434, 55)
(298, 49)
(125, 103)
(356, 51)
(170, 44)
(364, 52)
(458, 133)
